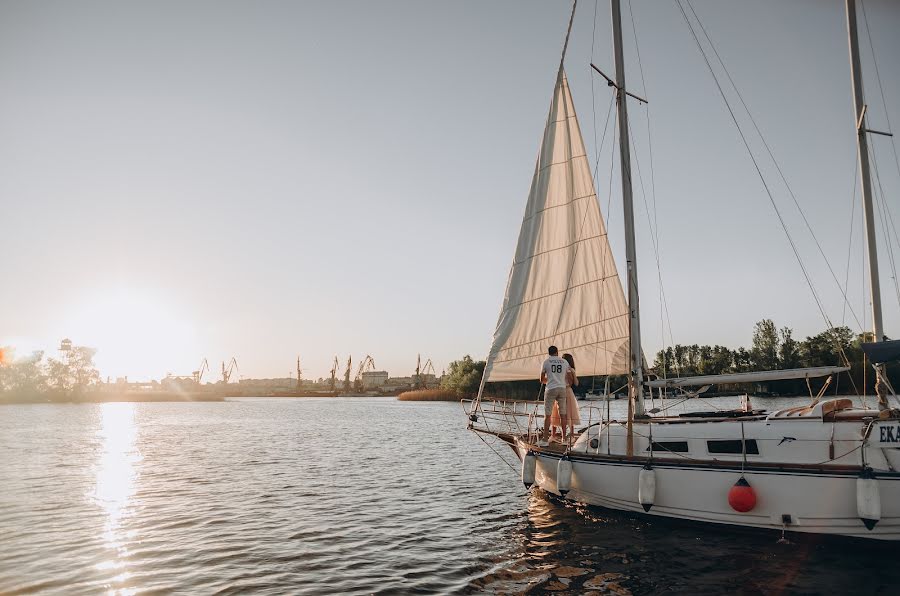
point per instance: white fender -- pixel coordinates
(868, 498)
(564, 475)
(529, 464)
(647, 487)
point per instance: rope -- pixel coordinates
(497, 453)
(568, 31)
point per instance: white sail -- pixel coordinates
(563, 286)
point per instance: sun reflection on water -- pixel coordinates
(116, 480)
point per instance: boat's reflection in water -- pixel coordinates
(620, 553)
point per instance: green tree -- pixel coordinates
(75, 373)
(6, 353)
(664, 363)
(24, 377)
(764, 353)
(743, 360)
(788, 349)
(825, 348)
(720, 361)
(464, 376)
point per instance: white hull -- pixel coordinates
(803, 465)
(816, 503)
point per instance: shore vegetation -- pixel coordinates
(771, 348)
(429, 395)
(34, 378)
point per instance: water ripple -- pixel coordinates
(349, 496)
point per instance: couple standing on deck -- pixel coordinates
(560, 408)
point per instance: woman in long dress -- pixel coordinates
(571, 404)
(573, 417)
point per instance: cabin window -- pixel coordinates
(676, 446)
(732, 447)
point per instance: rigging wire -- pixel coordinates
(664, 316)
(757, 167)
(887, 218)
(594, 172)
(772, 157)
(602, 328)
(887, 116)
(654, 235)
(850, 241)
(884, 216)
(497, 453)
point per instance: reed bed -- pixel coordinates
(429, 395)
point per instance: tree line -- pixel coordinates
(36, 378)
(771, 348)
(776, 349)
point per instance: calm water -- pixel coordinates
(346, 495)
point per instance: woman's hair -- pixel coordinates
(568, 358)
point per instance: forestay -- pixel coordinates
(563, 286)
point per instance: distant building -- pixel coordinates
(179, 383)
(122, 385)
(396, 383)
(375, 379)
(282, 383)
(426, 380)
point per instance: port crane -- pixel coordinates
(334, 368)
(197, 375)
(368, 364)
(425, 370)
(299, 372)
(347, 374)
(419, 380)
(229, 370)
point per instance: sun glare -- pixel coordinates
(116, 478)
(135, 334)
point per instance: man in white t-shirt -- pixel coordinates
(555, 374)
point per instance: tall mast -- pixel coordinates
(863, 150)
(635, 380)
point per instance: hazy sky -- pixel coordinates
(182, 180)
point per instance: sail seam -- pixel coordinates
(558, 333)
(559, 177)
(541, 354)
(558, 248)
(587, 283)
(566, 204)
(566, 119)
(570, 181)
(562, 163)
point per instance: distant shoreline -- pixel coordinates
(109, 397)
(99, 397)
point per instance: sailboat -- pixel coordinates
(828, 467)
